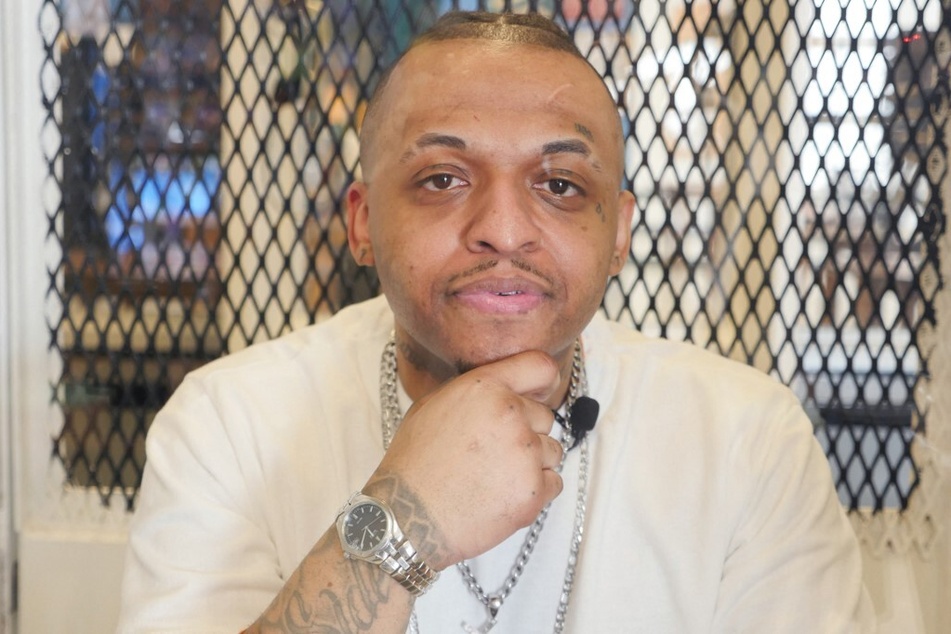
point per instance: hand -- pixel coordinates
(476, 457)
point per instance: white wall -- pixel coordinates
(70, 581)
(7, 553)
(69, 577)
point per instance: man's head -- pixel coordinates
(491, 203)
(514, 28)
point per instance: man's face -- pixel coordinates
(491, 204)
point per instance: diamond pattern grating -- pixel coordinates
(786, 158)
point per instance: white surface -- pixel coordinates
(69, 576)
(69, 581)
(6, 413)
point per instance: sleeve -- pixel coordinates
(194, 534)
(793, 564)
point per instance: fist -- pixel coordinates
(476, 458)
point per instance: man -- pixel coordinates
(491, 206)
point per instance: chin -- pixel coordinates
(495, 351)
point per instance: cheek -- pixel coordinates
(407, 269)
(586, 250)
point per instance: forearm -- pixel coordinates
(328, 593)
(453, 495)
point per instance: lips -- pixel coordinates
(501, 295)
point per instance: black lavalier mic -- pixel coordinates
(581, 418)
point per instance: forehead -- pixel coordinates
(457, 69)
(499, 87)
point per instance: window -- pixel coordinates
(785, 158)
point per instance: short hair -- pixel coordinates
(517, 28)
(527, 28)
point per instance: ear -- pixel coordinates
(622, 241)
(358, 224)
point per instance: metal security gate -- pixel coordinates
(786, 159)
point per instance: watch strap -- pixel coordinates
(404, 564)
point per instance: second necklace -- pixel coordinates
(392, 415)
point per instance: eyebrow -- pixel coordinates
(568, 145)
(433, 139)
(446, 140)
(572, 146)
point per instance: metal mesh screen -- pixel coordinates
(786, 158)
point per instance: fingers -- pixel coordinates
(532, 374)
(532, 377)
(551, 452)
(553, 484)
(551, 480)
(481, 443)
(540, 418)
(534, 489)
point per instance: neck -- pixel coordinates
(420, 372)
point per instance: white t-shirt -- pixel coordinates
(710, 505)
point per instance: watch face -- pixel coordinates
(365, 527)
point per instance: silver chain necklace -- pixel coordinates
(392, 415)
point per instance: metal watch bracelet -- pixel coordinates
(403, 564)
(396, 556)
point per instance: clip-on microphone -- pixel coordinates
(581, 418)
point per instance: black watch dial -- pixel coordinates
(365, 527)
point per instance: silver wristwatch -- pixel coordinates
(368, 531)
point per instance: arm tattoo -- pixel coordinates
(412, 515)
(353, 607)
(305, 606)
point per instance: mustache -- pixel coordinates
(488, 265)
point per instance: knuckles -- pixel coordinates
(474, 452)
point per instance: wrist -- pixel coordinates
(369, 531)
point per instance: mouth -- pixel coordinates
(499, 296)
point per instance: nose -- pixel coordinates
(502, 221)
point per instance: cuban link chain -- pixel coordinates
(391, 417)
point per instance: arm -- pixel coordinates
(471, 485)
(201, 554)
(794, 564)
(348, 595)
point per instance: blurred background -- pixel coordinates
(173, 176)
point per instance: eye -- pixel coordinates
(560, 187)
(442, 182)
